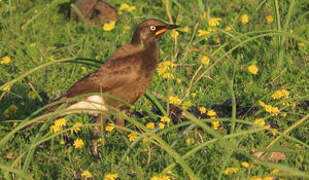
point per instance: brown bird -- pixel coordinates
(126, 75)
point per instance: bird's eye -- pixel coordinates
(152, 28)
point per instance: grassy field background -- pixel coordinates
(250, 67)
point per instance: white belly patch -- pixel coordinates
(93, 105)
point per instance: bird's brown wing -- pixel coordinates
(112, 74)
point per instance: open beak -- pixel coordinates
(162, 29)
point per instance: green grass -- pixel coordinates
(48, 53)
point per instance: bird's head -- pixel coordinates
(150, 30)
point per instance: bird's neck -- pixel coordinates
(150, 56)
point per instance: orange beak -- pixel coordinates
(163, 29)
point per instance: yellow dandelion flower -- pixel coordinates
(245, 164)
(150, 125)
(280, 93)
(162, 69)
(267, 178)
(193, 94)
(145, 139)
(109, 26)
(259, 122)
(203, 110)
(211, 113)
(202, 33)
(174, 34)
(132, 136)
(205, 60)
(60, 122)
(5, 60)
(109, 127)
(76, 127)
(178, 80)
(165, 119)
(210, 29)
(214, 21)
(32, 95)
(161, 177)
(275, 171)
(161, 125)
(261, 103)
(230, 170)
(124, 6)
(6, 113)
(78, 143)
(13, 108)
(274, 132)
(168, 75)
(253, 69)
(215, 124)
(55, 129)
(6, 88)
(244, 19)
(228, 28)
(110, 176)
(186, 29)
(62, 142)
(269, 19)
(131, 8)
(87, 174)
(9, 155)
(174, 100)
(84, 69)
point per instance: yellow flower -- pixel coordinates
(280, 93)
(230, 170)
(215, 124)
(13, 108)
(275, 171)
(259, 122)
(109, 127)
(204, 15)
(205, 60)
(267, 178)
(109, 26)
(124, 6)
(210, 29)
(214, 21)
(84, 69)
(55, 129)
(274, 132)
(245, 164)
(60, 122)
(228, 28)
(202, 110)
(78, 143)
(131, 8)
(76, 127)
(178, 80)
(244, 19)
(5, 60)
(189, 141)
(174, 34)
(202, 33)
(269, 19)
(253, 69)
(86, 174)
(161, 125)
(186, 29)
(6, 88)
(9, 156)
(174, 100)
(165, 119)
(301, 44)
(161, 177)
(36, 11)
(193, 94)
(168, 75)
(110, 176)
(150, 125)
(293, 106)
(132, 136)
(31, 95)
(211, 113)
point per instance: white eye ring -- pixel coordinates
(152, 28)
